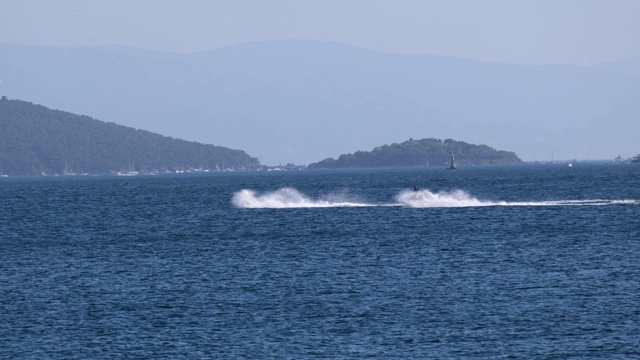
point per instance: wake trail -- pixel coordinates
(292, 198)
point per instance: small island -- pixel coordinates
(425, 152)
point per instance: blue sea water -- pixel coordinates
(532, 261)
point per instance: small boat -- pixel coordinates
(636, 159)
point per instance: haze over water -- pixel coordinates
(491, 261)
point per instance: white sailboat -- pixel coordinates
(131, 172)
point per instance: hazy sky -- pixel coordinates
(519, 31)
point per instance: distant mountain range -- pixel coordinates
(303, 101)
(35, 140)
(629, 66)
(425, 152)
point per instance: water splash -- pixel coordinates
(289, 198)
(459, 198)
(425, 198)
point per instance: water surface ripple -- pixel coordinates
(181, 268)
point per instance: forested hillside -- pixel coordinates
(425, 152)
(35, 140)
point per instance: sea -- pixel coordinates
(534, 261)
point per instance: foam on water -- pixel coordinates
(292, 198)
(288, 198)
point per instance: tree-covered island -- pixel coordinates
(425, 152)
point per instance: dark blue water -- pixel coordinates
(482, 262)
